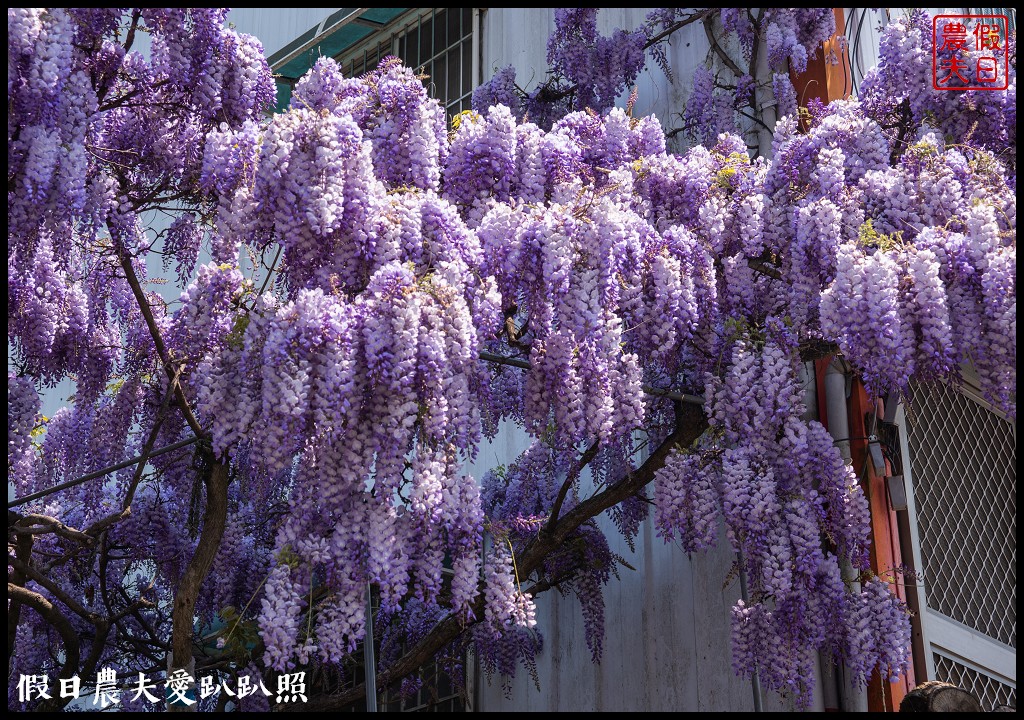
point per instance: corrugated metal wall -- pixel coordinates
(666, 642)
(276, 27)
(518, 36)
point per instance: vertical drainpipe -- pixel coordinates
(478, 47)
(472, 672)
(829, 683)
(826, 696)
(826, 681)
(765, 99)
(827, 82)
(369, 662)
(851, 697)
(755, 678)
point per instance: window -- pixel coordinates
(960, 457)
(439, 42)
(437, 693)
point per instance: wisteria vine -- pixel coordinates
(346, 264)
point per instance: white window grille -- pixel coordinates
(989, 691)
(960, 459)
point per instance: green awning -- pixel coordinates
(336, 34)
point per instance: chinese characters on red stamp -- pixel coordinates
(970, 52)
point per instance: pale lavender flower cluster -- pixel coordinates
(516, 500)
(785, 95)
(182, 242)
(779, 485)
(709, 112)
(752, 400)
(506, 637)
(22, 415)
(998, 361)
(843, 126)
(48, 313)
(282, 608)
(795, 34)
(861, 310)
(979, 277)
(481, 166)
(74, 85)
(406, 127)
(206, 314)
(501, 89)
(924, 298)
(353, 389)
(193, 50)
(859, 242)
(230, 159)
(812, 257)
(570, 291)
(879, 635)
(507, 607)
(51, 101)
(891, 201)
(348, 396)
(324, 87)
(316, 193)
(600, 67)
(670, 310)
(687, 500)
(676, 187)
(738, 20)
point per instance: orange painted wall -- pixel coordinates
(822, 79)
(886, 554)
(885, 539)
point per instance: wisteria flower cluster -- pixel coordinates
(779, 485)
(366, 297)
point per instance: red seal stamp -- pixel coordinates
(970, 52)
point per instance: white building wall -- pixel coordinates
(518, 37)
(276, 27)
(666, 643)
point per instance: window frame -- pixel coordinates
(389, 40)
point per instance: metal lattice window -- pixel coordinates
(436, 695)
(437, 692)
(989, 691)
(440, 43)
(963, 457)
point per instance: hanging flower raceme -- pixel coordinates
(339, 351)
(780, 485)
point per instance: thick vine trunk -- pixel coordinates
(183, 614)
(690, 423)
(67, 633)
